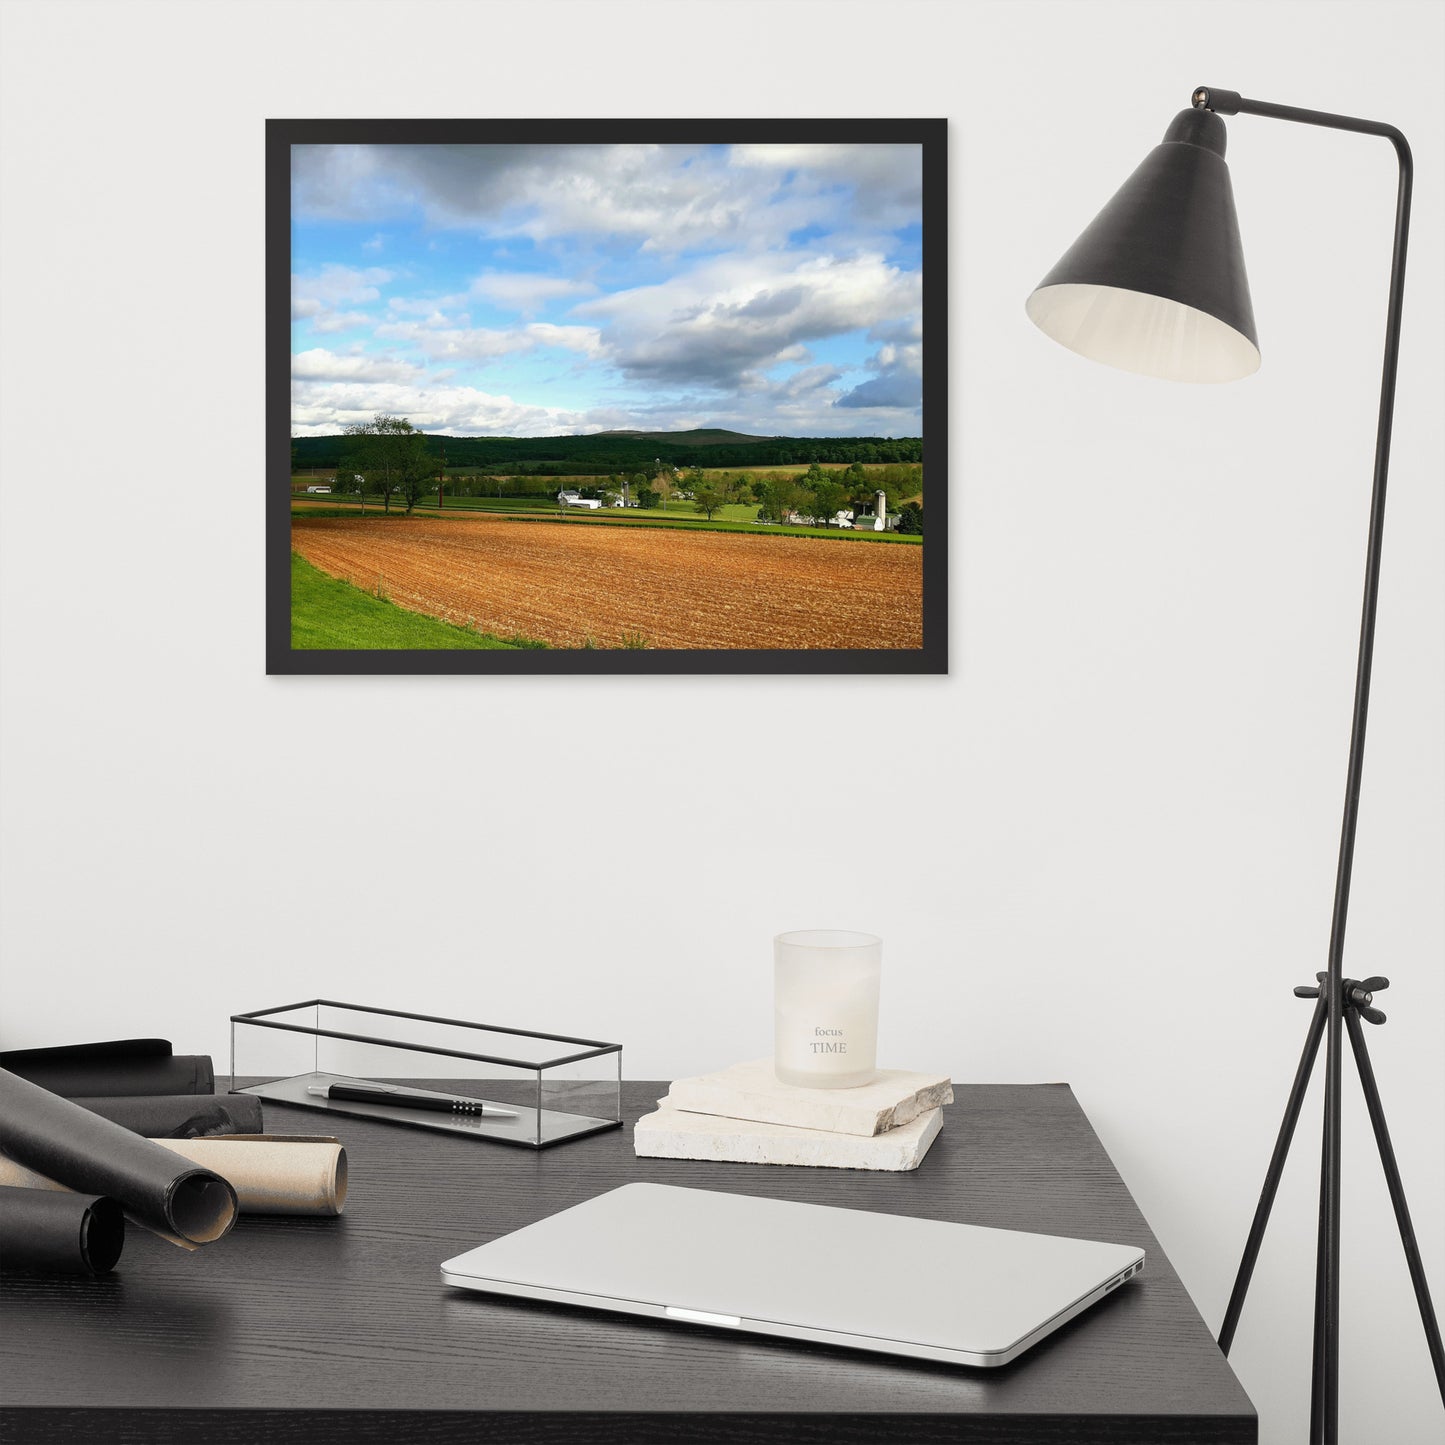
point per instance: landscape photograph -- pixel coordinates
(626, 397)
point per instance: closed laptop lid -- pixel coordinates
(808, 1269)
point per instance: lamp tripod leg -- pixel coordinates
(1331, 1175)
(1397, 1196)
(1317, 1366)
(1272, 1176)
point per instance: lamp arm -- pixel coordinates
(1327, 1315)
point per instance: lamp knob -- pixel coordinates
(1221, 102)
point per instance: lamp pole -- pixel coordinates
(1336, 998)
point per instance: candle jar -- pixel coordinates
(825, 998)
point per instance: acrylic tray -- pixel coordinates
(555, 1087)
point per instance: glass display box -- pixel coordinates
(508, 1086)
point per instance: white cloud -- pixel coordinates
(318, 296)
(666, 197)
(804, 404)
(327, 322)
(525, 292)
(739, 313)
(886, 181)
(335, 285)
(322, 365)
(484, 344)
(323, 408)
(897, 379)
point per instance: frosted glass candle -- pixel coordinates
(825, 999)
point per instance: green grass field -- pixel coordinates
(655, 521)
(329, 613)
(633, 517)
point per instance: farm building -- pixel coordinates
(880, 519)
(573, 499)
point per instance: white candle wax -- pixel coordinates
(826, 1008)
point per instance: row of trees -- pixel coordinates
(386, 455)
(822, 494)
(628, 453)
(818, 492)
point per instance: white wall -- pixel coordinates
(1114, 851)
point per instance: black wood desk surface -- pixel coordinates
(340, 1330)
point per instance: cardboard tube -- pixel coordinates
(274, 1173)
(271, 1173)
(188, 1205)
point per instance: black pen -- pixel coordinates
(399, 1097)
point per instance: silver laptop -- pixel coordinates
(919, 1287)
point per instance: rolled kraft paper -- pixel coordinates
(274, 1173)
(188, 1205)
(271, 1173)
(59, 1233)
(181, 1116)
(120, 1066)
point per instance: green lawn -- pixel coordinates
(632, 517)
(329, 613)
(676, 521)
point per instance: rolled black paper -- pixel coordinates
(44, 1230)
(91, 1155)
(181, 1116)
(117, 1066)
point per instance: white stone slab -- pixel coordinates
(677, 1134)
(752, 1091)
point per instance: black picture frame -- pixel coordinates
(282, 659)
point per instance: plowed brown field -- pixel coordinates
(565, 583)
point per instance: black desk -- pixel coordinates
(339, 1330)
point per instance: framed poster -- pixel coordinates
(606, 396)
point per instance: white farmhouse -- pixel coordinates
(573, 499)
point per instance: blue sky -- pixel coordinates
(551, 290)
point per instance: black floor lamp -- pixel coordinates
(1157, 285)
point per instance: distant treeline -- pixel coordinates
(603, 455)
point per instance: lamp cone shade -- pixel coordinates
(1156, 284)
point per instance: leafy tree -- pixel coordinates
(828, 497)
(646, 496)
(351, 478)
(706, 499)
(910, 519)
(391, 454)
(780, 495)
(789, 496)
(416, 477)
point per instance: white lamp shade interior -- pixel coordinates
(1146, 334)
